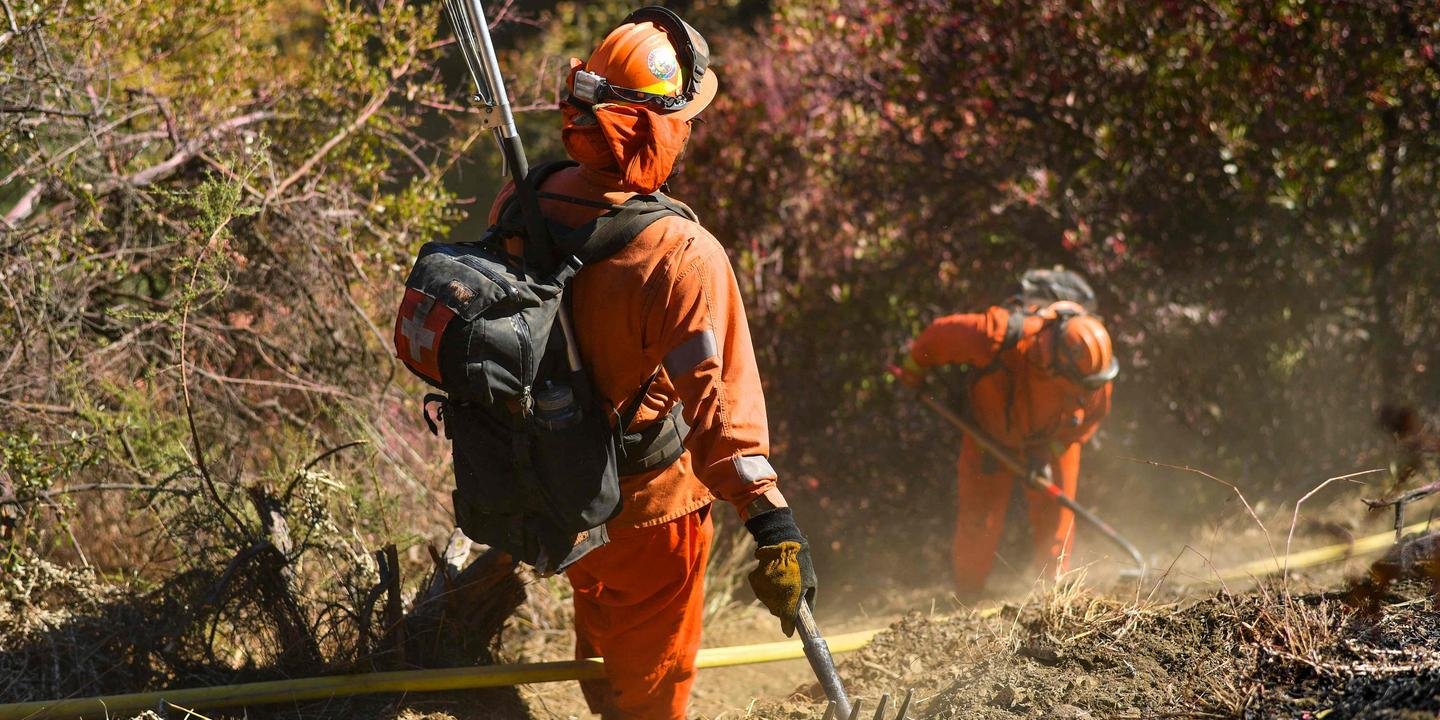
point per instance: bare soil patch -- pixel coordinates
(1075, 654)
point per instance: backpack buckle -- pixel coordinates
(443, 402)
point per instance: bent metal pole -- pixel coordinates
(1040, 482)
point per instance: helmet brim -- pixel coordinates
(704, 95)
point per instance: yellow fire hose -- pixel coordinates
(439, 680)
(1317, 556)
(469, 678)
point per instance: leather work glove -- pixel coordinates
(784, 574)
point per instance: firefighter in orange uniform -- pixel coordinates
(667, 306)
(1039, 383)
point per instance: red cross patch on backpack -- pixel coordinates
(419, 325)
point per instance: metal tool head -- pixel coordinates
(817, 652)
(472, 34)
(832, 711)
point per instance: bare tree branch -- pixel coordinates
(188, 151)
(339, 137)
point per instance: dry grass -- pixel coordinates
(1298, 628)
(1071, 645)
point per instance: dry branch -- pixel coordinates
(339, 137)
(1234, 488)
(1295, 514)
(184, 154)
(471, 605)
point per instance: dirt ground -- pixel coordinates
(1093, 646)
(1097, 651)
(1177, 644)
(1075, 654)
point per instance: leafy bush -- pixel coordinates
(1249, 186)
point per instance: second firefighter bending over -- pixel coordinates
(1038, 382)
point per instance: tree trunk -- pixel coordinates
(457, 619)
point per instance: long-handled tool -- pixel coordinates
(1037, 480)
(818, 654)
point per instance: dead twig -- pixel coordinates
(1412, 496)
(49, 495)
(1295, 517)
(188, 712)
(295, 481)
(339, 137)
(200, 463)
(298, 387)
(40, 407)
(1400, 502)
(1227, 484)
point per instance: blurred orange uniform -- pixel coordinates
(667, 304)
(1019, 400)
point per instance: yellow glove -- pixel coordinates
(784, 573)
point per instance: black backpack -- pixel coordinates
(1037, 289)
(535, 451)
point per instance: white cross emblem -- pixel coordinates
(419, 337)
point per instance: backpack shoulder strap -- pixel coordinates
(1014, 329)
(1014, 332)
(611, 232)
(509, 218)
(675, 206)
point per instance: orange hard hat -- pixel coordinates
(653, 58)
(1081, 345)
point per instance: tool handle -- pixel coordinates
(1045, 484)
(1040, 482)
(821, 662)
(472, 33)
(983, 440)
(1100, 525)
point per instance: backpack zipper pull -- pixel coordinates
(527, 403)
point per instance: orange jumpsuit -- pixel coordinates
(668, 300)
(1042, 417)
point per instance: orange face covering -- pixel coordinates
(630, 141)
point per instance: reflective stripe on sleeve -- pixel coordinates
(753, 468)
(696, 349)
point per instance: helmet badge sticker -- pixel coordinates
(662, 63)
